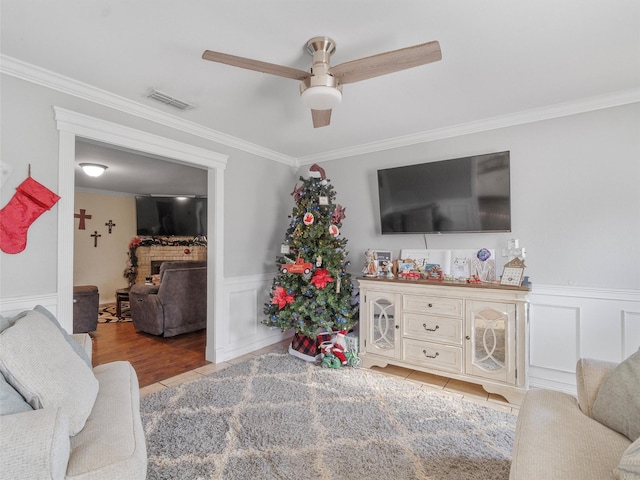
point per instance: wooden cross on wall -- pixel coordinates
(110, 225)
(95, 236)
(82, 216)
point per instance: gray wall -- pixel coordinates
(575, 185)
(575, 193)
(255, 188)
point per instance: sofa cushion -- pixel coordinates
(40, 364)
(617, 404)
(629, 466)
(6, 322)
(555, 440)
(114, 427)
(74, 345)
(35, 445)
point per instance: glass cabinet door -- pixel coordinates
(490, 347)
(383, 336)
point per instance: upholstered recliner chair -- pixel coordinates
(178, 305)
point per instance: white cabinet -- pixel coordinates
(475, 333)
(383, 334)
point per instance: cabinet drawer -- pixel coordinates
(432, 305)
(427, 354)
(427, 327)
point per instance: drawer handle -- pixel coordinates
(430, 305)
(430, 329)
(430, 356)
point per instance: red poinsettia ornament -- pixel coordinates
(281, 298)
(321, 278)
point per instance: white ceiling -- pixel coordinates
(129, 172)
(501, 59)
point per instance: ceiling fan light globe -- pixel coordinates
(321, 97)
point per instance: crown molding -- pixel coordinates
(615, 99)
(46, 78)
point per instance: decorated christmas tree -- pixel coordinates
(312, 292)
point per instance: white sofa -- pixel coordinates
(561, 437)
(61, 418)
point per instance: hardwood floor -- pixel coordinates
(154, 358)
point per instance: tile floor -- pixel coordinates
(458, 388)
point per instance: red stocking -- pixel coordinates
(30, 201)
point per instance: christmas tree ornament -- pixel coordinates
(338, 214)
(317, 171)
(321, 278)
(297, 192)
(281, 298)
(334, 230)
(308, 218)
(30, 201)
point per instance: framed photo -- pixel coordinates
(433, 272)
(384, 263)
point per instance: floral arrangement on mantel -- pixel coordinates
(131, 269)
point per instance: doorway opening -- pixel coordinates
(72, 125)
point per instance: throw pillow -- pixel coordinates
(629, 466)
(75, 345)
(617, 404)
(6, 322)
(10, 400)
(39, 363)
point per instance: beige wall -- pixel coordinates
(103, 265)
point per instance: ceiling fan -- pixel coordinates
(321, 88)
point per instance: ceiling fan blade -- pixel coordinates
(321, 118)
(256, 65)
(388, 62)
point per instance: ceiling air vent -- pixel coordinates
(169, 100)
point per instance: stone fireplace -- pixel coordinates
(150, 258)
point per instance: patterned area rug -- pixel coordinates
(278, 417)
(107, 314)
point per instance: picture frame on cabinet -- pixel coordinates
(384, 263)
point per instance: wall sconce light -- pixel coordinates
(93, 169)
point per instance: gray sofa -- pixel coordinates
(178, 305)
(559, 436)
(59, 417)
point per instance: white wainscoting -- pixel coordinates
(12, 306)
(567, 323)
(244, 299)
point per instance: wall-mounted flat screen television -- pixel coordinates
(460, 195)
(171, 216)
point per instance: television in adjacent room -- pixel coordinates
(460, 195)
(171, 216)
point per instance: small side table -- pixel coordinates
(122, 295)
